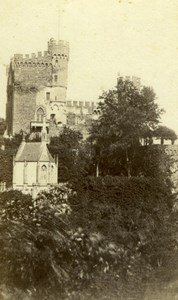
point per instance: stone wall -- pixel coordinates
(23, 111)
(28, 75)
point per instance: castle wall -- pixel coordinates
(34, 80)
(50, 95)
(32, 73)
(60, 71)
(40, 81)
(23, 111)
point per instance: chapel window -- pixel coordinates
(44, 174)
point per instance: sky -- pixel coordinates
(107, 37)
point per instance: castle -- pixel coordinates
(37, 90)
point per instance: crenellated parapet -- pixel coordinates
(73, 103)
(41, 75)
(58, 49)
(57, 52)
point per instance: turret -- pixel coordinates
(59, 53)
(58, 49)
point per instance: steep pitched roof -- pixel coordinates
(33, 152)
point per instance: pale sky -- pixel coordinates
(132, 37)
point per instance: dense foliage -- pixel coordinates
(6, 161)
(165, 133)
(73, 154)
(104, 238)
(126, 115)
(6, 158)
(43, 256)
(137, 213)
(2, 126)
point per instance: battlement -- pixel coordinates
(56, 50)
(73, 103)
(38, 60)
(40, 55)
(59, 48)
(52, 42)
(32, 62)
(136, 80)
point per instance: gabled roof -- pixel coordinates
(33, 152)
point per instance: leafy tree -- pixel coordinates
(12, 144)
(6, 158)
(165, 133)
(2, 126)
(42, 256)
(126, 114)
(72, 154)
(137, 213)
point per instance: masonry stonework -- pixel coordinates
(37, 89)
(30, 75)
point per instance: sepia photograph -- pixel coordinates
(89, 150)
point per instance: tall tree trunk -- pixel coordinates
(97, 169)
(128, 164)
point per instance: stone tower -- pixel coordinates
(37, 89)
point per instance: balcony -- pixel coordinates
(36, 124)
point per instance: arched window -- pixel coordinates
(44, 174)
(40, 114)
(52, 172)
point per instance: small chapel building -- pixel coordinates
(34, 168)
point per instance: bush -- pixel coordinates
(136, 213)
(43, 257)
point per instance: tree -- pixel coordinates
(2, 126)
(137, 213)
(72, 154)
(42, 256)
(126, 115)
(165, 133)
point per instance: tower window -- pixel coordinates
(55, 78)
(40, 115)
(47, 96)
(55, 97)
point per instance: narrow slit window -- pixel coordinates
(47, 96)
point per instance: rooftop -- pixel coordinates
(33, 152)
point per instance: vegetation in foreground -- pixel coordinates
(115, 235)
(111, 239)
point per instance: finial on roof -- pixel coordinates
(23, 136)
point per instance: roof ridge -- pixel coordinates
(45, 148)
(20, 150)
